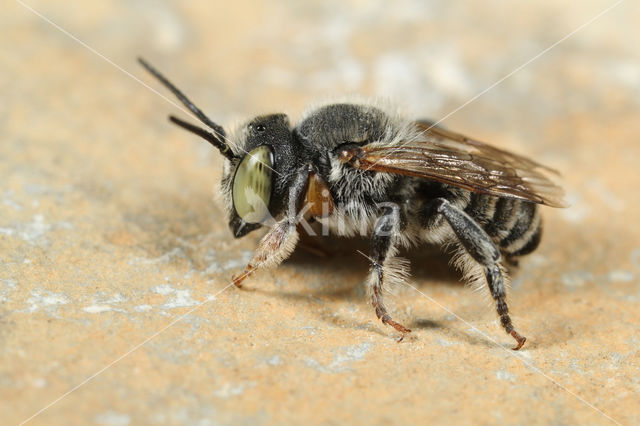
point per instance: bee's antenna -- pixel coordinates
(210, 137)
(217, 138)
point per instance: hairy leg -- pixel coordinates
(278, 244)
(381, 246)
(480, 246)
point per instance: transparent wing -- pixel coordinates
(457, 160)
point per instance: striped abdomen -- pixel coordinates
(514, 225)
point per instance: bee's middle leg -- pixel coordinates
(381, 245)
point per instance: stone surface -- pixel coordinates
(115, 258)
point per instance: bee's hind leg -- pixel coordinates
(381, 246)
(480, 246)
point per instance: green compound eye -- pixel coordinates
(252, 185)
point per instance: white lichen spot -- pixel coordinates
(398, 76)
(142, 308)
(169, 32)
(409, 11)
(163, 289)
(624, 72)
(96, 309)
(9, 232)
(634, 257)
(274, 360)
(524, 353)
(620, 276)
(445, 343)
(343, 358)
(33, 232)
(228, 390)
(102, 303)
(117, 298)
(609, 199)
(178, 298)
(38, 382)
(7, 200)
(503, 374)
(6, 286)
(112, 418)
(576, 279)
(578, 210)
(310, 329)
(176, 252)
(45, 299)
(222, 266)
(447, 73)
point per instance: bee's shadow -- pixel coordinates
(345, 260)
(174, 222)
(344, 255)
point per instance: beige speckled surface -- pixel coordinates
(109, 231)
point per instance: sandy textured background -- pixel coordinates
(109, 230)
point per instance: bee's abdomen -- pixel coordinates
(514, 225)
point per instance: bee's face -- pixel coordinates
(251, 181)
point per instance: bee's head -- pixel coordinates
(253, 182)
(260, 161)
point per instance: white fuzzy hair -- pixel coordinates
(395, 271)
(472, 272)
(266, 256)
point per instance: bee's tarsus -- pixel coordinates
(520, 339)
(238, 279)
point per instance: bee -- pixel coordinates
(361, 168)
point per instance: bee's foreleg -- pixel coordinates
(482, 249)
(384, 231)
(278, 244)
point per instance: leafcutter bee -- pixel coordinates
(360, 168)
